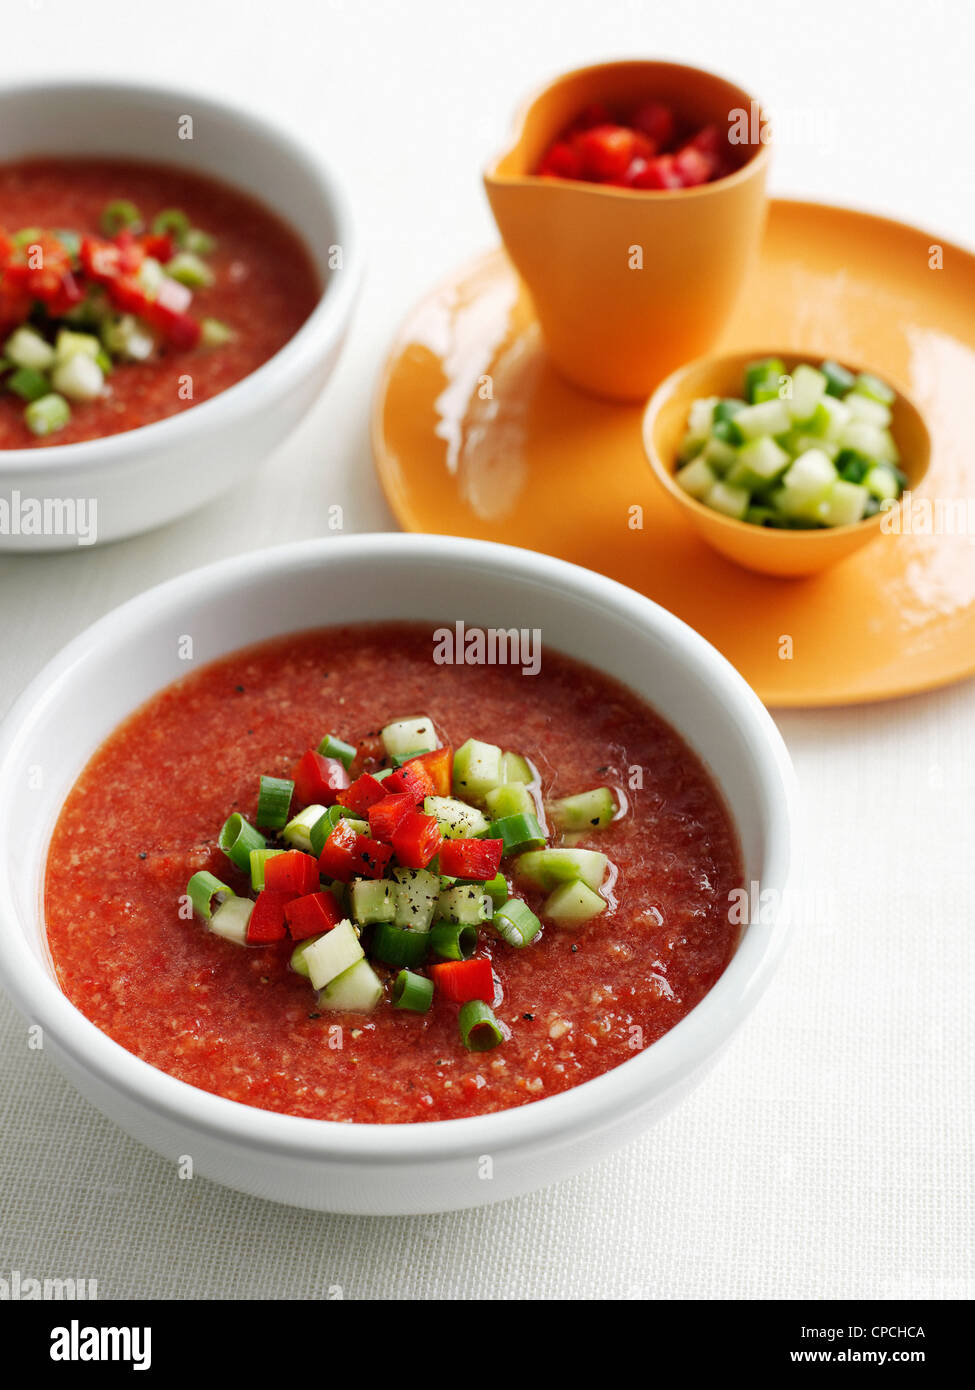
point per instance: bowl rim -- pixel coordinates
(823, 535)
(588, 1107)
(265, 384)
(751, 166)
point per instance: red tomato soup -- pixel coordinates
(59, 256)
(237, 1020)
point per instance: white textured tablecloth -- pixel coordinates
(830, 1153)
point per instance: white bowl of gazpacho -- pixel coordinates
(390, 874)
(176, 279)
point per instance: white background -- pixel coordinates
(830, 1152)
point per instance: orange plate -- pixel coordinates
(475, 435)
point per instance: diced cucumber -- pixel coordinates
(372, 900)
(79, 378)
(690, 446)
(415, 898)
(806, 483)
(762, 376)
(719, 454)
(477, 768)
(231, 918)
(760, 462)
(510, 799)
(409, 735)
(732, 501)
(808, 389)
(874, 389)
(26, 348)
(332, 953)
(69, 344)
(465, 904)
(697, 478)
(829, 418)
(297, 962)
(356, 991)
(572, 904)
(457, 820)
(768, 417)
(845, 504)
(866, 409)
(700, 415)
(515, 768)
(881, 483)
(547, 868)
(838, 379)
(872, 440)
(297, 833)
(583, 811)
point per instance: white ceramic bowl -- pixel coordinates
(151, 475)
(382, 1169)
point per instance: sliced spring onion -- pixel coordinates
(203, 890)
(453, 940)
(27, 236)
(258, 860)
(332, 746)
(26, 348)
(189, 270)
(198, 242)
(587, 809)
(297, 833)
(519, 833)
(515, 923)
(413, 992)
(28, 384)
(497, 889)
(128, 338)
(237, 838)
(231, 919)
(480, 1031)
(47, 415)
(118, 216)
(397, 946)
(274, 801)
(171, 222)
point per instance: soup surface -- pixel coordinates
(264, 285)
(238, 1021)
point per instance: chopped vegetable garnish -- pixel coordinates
(386, 871)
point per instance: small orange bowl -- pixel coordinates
(762, 548)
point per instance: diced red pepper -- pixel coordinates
(563, 161)
(694, 168)
(659, 173)
(100, 259)
(477, 859)
(291, 872)
(370, 750)
(708, 140)
(461, 980)
(606, 150)
(7, 248)
(132, 252)
(386, 815)
(127, 294)
(439, 767)
(416, 840)
(313, 914)
(596, 113)
(346, 854)
(657, 121)
(267, 920)
(158, 245)
(364, 792)
(412, 777)
(317, 778)
(179, 329)
(67, 296)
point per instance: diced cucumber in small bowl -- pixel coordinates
(784, 462)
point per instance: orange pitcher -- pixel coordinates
(626, 284)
